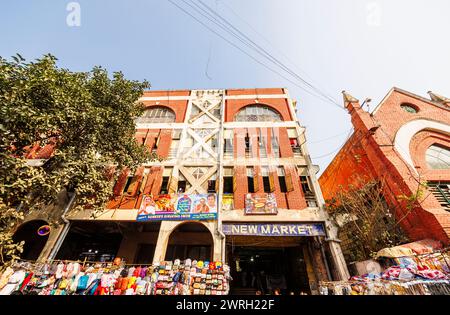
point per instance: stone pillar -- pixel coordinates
(338, 260)
(163, 240)
(310, 271)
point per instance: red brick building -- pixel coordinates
(405, 141)
(246, 148)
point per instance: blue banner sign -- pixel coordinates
(274, 229)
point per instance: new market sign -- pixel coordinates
(178, 207)
(275, 229)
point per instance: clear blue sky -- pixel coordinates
(362, 46)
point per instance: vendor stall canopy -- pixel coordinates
(415, 248)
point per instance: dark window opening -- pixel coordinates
(305, 185)
(283, 186)
(250, 183)
(165, 186)
(266, 183)
(181, 186)
(228, 185)
(127, 185)
(212, 186)
(155, 146)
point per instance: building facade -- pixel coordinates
(405, 142)
(242, 156)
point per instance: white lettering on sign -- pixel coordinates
(265, 229)
(292, 230)
(275, 230)
(253, 229)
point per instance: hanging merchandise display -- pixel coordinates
(73, 278)
(386, 287)
(425, 274)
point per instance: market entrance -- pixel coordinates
(98, 241)
(190, 240)
(264, 265)
(30, 233)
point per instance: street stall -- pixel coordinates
(418, 268)
(76, 278)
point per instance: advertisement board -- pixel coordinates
(178, 207)
(260, 204)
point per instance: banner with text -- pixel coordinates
(178, 207)
(274, 229)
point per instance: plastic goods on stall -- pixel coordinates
(427, 273)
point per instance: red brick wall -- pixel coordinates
(371, 155)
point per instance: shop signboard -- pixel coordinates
(178, 207)
(274, 229)
(228, 202)
(260, 204)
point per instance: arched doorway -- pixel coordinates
(34, 242)
(190, 240)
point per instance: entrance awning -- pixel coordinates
(415, 248)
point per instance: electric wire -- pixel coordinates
(268, 55)
(210, 18)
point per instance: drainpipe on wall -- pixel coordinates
(64, 231)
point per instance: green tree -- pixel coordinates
(88, 118)
(367, 220)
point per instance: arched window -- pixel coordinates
(438, 157)
(257, 113)
(157, 114)
(412, 109)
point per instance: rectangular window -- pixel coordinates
(305, 184)
(250, 180)
(212, 186)
(176, 134)
(228, 180)
(275, 144)
(182, 186)
(127, 185)
(266, 183)
(228, 185)
(282, 180)
(165, 185)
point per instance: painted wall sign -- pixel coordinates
(274, 229)
(178, 207)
